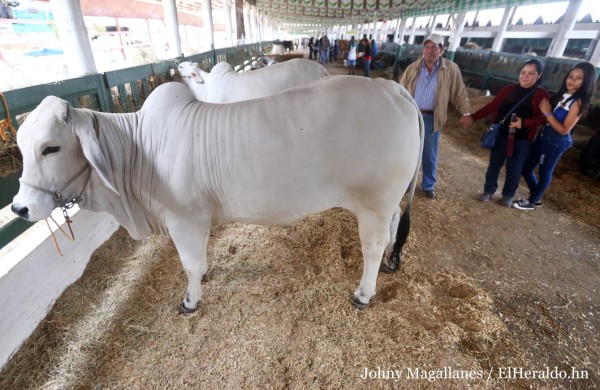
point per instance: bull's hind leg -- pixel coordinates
(393, 231)
(374, 232)
(191, 240)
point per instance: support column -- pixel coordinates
(455, 35)
(559, 43)
(375, 23)
(595, 57)
(207, 21)
(239, 21)
(247, 24)
(121, 42)
(499, 38)
(385, 26)
(252, 20)
(173, 41)
(433, 22)
(259, 26)
(413, 30)
(228, 24)
(400, 31)
(74, 37)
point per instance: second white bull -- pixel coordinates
(224, 85)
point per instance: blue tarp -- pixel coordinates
(45, 52)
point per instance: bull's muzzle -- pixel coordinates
(22, 212)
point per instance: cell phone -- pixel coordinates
(513, 117)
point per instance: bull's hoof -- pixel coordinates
(184, 310)
(358, 304)
(386, 269)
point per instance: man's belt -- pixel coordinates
(426, 112)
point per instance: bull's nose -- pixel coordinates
(20, 211)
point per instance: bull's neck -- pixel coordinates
(116, 138)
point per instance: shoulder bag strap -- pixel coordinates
(517, 105)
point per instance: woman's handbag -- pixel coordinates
(490, 135)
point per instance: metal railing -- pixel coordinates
(485, 69)
(123, 90)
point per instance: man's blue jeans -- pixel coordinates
(514, 166)
(430, 149)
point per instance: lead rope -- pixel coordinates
(69, 221)
(6, 124)
(65, 206)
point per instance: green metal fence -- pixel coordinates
(484, 69)
(117, 91)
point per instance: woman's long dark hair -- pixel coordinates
(585, 92)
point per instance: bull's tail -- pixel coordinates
(395, 256)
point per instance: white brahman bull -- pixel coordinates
(224, 85)
(178, 166)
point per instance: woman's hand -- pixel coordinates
(545, 107)
(517, 123)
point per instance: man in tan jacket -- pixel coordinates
(434, 82)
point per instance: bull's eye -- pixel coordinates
(50, 150)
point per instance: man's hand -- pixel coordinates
(466, 120)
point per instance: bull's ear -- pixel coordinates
(91, 150)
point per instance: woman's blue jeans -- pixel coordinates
(514, 166)
(546, 152)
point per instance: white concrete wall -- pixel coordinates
(33, 275)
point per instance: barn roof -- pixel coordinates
(315, 12)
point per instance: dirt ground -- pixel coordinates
(486, 297)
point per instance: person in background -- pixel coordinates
(562, 112)
(515, 138)
(374, 51)
(336, 50)
(325, 47)
(318, 48)
(6, 9)
(367, 58)
(434, 82)
(311, 47)
(351, 55)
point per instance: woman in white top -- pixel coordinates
(351, 55)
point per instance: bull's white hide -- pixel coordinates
(224, 85)
(178, 165)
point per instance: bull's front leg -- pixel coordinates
(191, 240)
